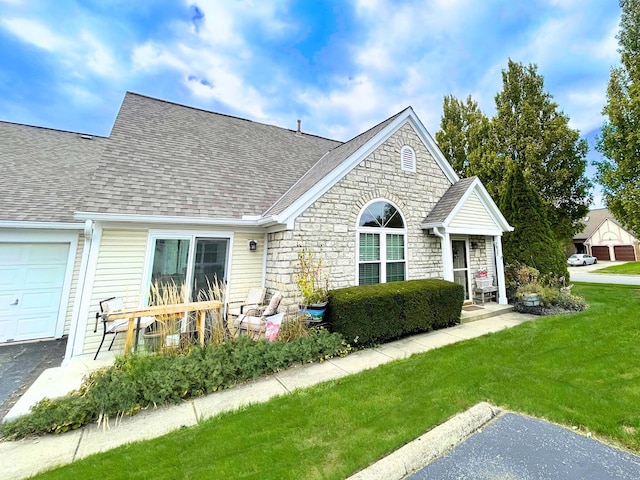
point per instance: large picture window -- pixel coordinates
(381, 244)
(196, 262)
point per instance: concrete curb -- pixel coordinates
(426, 448)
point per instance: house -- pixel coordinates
(178, 193)
(604, 238)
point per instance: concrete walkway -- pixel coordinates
(35, 455)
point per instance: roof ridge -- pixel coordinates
(235, 117)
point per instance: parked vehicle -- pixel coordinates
(581, 259)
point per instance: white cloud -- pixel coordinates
(76, 53)
(151, 56)
(35, 33)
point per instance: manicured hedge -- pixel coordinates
(371, 314)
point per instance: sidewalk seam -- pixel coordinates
(75, 452)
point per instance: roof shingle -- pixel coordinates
(45, 172)
(168, 159)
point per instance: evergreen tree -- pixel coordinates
(529, 131)
(619, 173)
(532, 242)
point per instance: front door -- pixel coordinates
(461, 265)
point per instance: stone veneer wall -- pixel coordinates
(328, 226)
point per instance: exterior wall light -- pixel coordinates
(253, 245)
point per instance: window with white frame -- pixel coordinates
(408, 159)
(190, 260)
(381, 244)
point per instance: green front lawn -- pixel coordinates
(629, 268)
(580, 369)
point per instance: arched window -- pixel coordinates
(381, 244)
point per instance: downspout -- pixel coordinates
(82, 277)
(447, 261)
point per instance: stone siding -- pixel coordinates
(328, 226)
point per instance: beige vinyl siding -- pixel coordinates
(246, 266)
(74, 284)
(473, 214)
(118, 274)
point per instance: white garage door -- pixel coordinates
(31, 282)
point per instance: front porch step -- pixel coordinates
(482, 311)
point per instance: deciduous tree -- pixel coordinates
(619, 172)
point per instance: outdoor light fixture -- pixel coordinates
(253, 245)
(474, 245)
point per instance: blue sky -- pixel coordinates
(340, 66)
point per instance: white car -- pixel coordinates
(581, 259)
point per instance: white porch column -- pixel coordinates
(502, 290)
(447, 256)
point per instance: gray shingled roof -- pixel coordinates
(449, 200)
(45, 172)
(329, 162)
(169, 159)
(596, 217)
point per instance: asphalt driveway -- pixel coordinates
(22, 363)
(517, 447)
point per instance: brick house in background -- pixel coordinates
(180, 193)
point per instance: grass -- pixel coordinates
(578, 370)
(629, 268)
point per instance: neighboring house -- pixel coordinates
(178, 193)
(605, 239)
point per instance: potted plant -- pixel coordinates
(313, 284)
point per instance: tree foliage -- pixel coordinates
(529, 132)
(619, 172)
(532, 242)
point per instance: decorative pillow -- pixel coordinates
(273, 304)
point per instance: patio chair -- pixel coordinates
(114, 327)
(255, 299)
(255, 320)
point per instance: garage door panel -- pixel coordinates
(47, 254)
(44, 277)
(12, 254)
(11, 276)
(7, 300)
(48, 298)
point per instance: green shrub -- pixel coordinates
(370, 314)
(146, 380)
(555, 296)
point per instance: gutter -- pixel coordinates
(42, 225)
(173, 220)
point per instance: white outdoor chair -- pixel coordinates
(114, 327)
(255, 299)
(255, 319)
